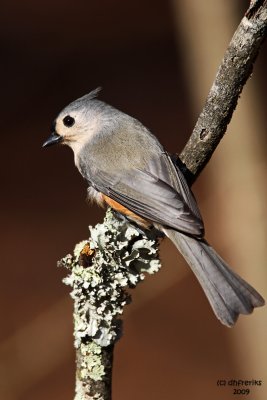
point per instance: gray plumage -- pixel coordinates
(228, 294)
(120, 158)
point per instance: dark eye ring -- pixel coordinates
(68, 121)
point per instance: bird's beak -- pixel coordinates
(54, 138)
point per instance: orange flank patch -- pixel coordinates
(123, 210)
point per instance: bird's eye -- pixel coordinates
(68, 121)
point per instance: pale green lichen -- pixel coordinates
(91, 364)
(122, 253)
(115, 257)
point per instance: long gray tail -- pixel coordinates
(228, 294)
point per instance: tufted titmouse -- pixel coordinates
(128, 169)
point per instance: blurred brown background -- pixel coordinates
(156, 61)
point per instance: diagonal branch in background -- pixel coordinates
(117, 254)
(235, 69)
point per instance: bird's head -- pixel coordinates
(77, 123)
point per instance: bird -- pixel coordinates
(127, 169)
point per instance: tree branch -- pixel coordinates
(235, 69)
(114, 257)
(117, 254)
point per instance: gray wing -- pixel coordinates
(158, 193)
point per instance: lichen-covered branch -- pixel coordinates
(114, 257)
(235, 69)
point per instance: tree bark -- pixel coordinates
(235, 69)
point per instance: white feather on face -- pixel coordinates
(83, 127)
(80, 121)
